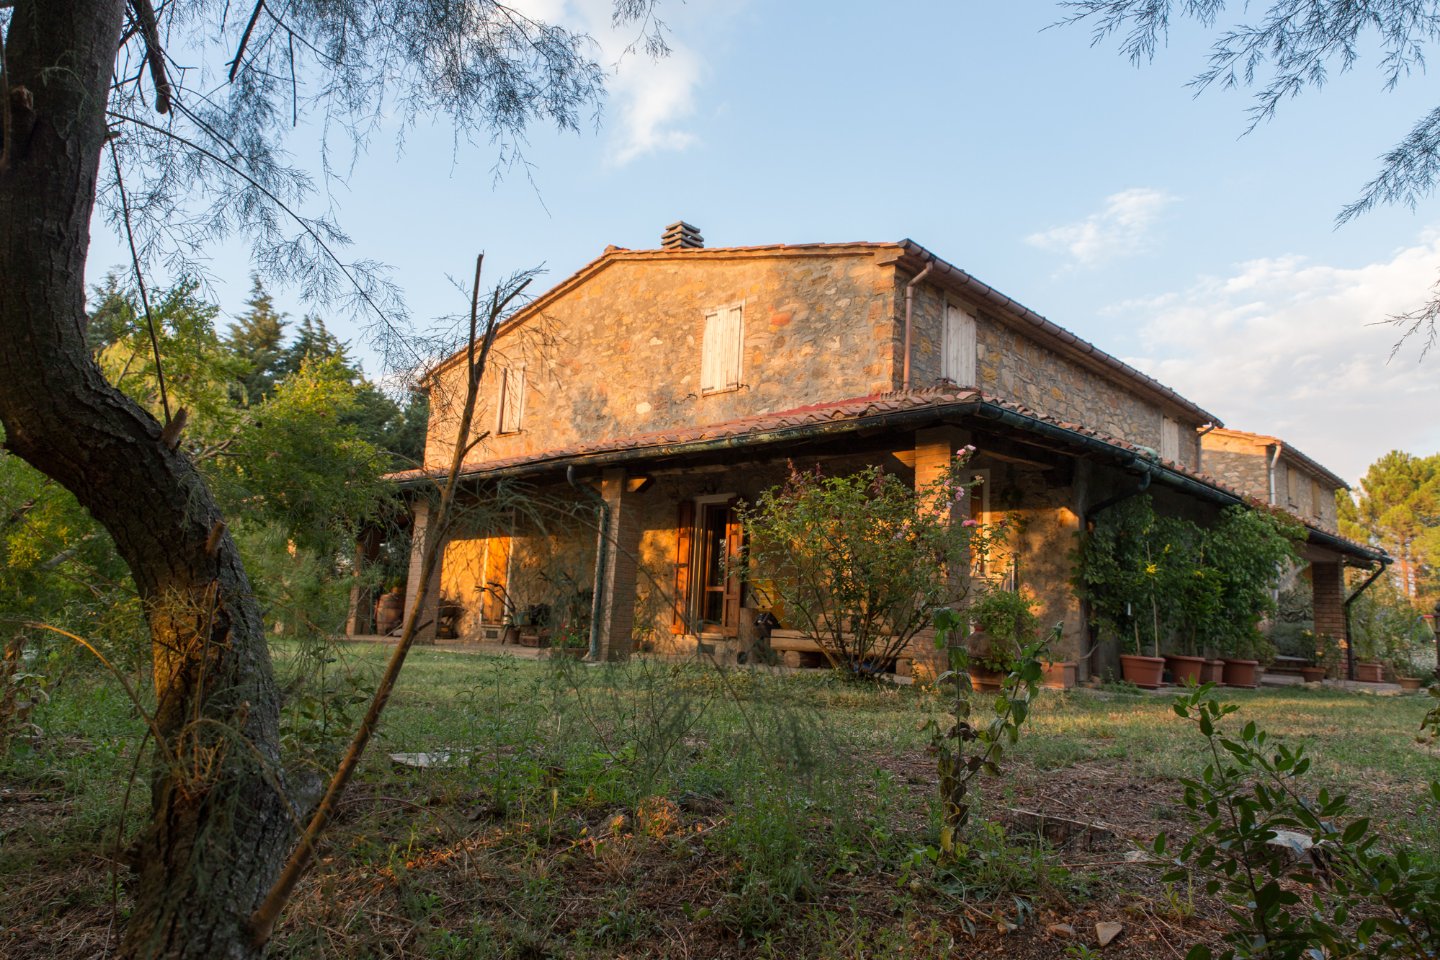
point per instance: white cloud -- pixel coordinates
(652, 98)
(1301, 350)
(1121, 228)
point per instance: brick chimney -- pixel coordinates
(682, 236)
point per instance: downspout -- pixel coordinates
(602, 532)
(1349, 643)
(909, 304)
(1270, 469)
(1200, 445)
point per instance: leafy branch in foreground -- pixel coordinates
(959, 762)
(1302, 876)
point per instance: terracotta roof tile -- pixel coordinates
(856, 409)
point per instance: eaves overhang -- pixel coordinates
(884, 412)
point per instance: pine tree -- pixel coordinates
(313, 341)
(1398, 508)
(257, 338)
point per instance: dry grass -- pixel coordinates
(662, 811)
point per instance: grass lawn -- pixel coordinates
(658, 809)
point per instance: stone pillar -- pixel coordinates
(1327, 581)
(620, 556)
(934, 449)
(420, 535)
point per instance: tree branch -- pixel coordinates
(145, 14)
(245, 39)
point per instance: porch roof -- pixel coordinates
(895, 410)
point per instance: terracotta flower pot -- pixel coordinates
(1213, 671)
(1144, 672)
(1370, 672)
(1242, 673)
(984, 679)
(1312, 674)
(1185, 669)
(389, 611)
(1060, 675)
(1410, 683)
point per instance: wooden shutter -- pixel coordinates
(720, 350)
(684, 548)
(957, 363)
(733, 336)
(1169, 439)
(512, 399)
(712, 377)
(734, 543)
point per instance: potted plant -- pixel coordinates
(1326, 658)
(1213, 671)
(1004, 622)
(1367, 648)
(570, 644)
(1244, 668)
(1400, 660)
(389, 610)
(1184, 668)
(1141, 670)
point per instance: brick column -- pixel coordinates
(420, 535)
(1327, 580)
(620, 556)
(934, 448)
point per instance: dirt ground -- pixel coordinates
(475, 873)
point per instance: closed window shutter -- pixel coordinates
(512, 399)
(720, 350)
(1169, 439)
(957, 363)
(711, 370)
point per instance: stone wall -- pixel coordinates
(1242, 462)
(1240, 465)
(620, 353)
(1014, 366)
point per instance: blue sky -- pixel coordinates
(1106, 197)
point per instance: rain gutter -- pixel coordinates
(1278, 449)
(983, 291)
(899, 419)
(909, 304)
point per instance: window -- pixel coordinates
(983, 565)
(720, 353)
(1169, 439)
(512, 400)
(707, 578)
(957, 357)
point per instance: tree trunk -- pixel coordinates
(220, 824)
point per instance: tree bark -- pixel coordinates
(220, 827)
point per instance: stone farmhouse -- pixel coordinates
(655, 389)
